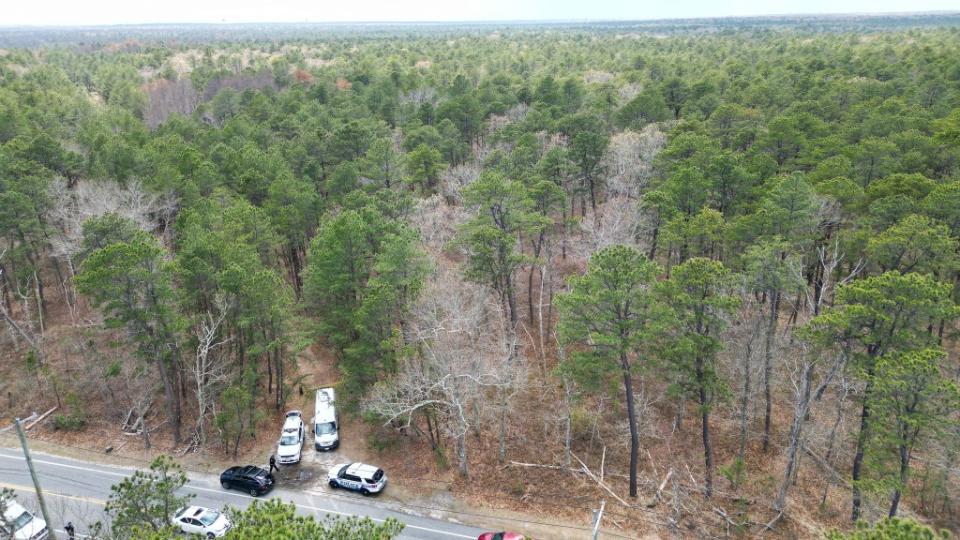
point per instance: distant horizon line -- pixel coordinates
(878, 14)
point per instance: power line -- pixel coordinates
(426, 507)
(526, 500)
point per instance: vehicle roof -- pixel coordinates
(325, 414)
(324, 410)
(194, 511)
(251, 470)
(292, 423)
(13, 510)
(326, 395)
(362, 470)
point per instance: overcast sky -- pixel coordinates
(84, 12)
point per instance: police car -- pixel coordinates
(365, 479)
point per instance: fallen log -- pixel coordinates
(822, 463)
(562, 468)
(38, 420)
(656, 495)
(126, 421)
(27, 419)
(599, 482)
(542, 466)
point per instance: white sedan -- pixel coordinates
(203, 521)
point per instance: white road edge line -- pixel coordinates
(223, 492)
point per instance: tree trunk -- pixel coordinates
(567, 431)
(511, 300)
(707, 448)
(281, 399)
(269, 363)
(462, 454)
(653, 240)
(818, 283)
(593, 195)
(745, 396)
(904, 472)
(540, 329)
(796, 430)
(41, 301)
(632, 419)
(705, 432)
(502, 443)
(173, 403)
(530, 293)
(62, 282)
(6, 290)
(297, 268)
(549, 302)
(832, 438)
(143, 426)
(768, 366)
(858, 456)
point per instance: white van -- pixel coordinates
(19, 524)
(326, 424)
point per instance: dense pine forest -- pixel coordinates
(708, 273)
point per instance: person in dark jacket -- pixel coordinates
(273, 464)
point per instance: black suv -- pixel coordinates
(250, 478)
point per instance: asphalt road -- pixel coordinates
(77, 490)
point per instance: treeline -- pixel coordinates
(94, 37)
(769, 218)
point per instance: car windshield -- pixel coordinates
(209, 517)
(288, 440)
(326, 428)
(21, 521)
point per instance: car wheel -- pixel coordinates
(364, 492)
(334, 484)
(210, 536)
(254, 492)
(225, 485)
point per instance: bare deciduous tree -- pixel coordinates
(437, 222)
(419, 96)
(629, 160)
(808, 369)
(499, 121)
(260, 80)
(165, 98)
(454, 179)
(463, 352)
(24, 330)
(72, 207)
(617, 221)
(209, 368)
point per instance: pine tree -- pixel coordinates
(606, 317)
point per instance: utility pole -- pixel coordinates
(36, 481)
(597, 516)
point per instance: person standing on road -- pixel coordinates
(273, 464)
(71, 532)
